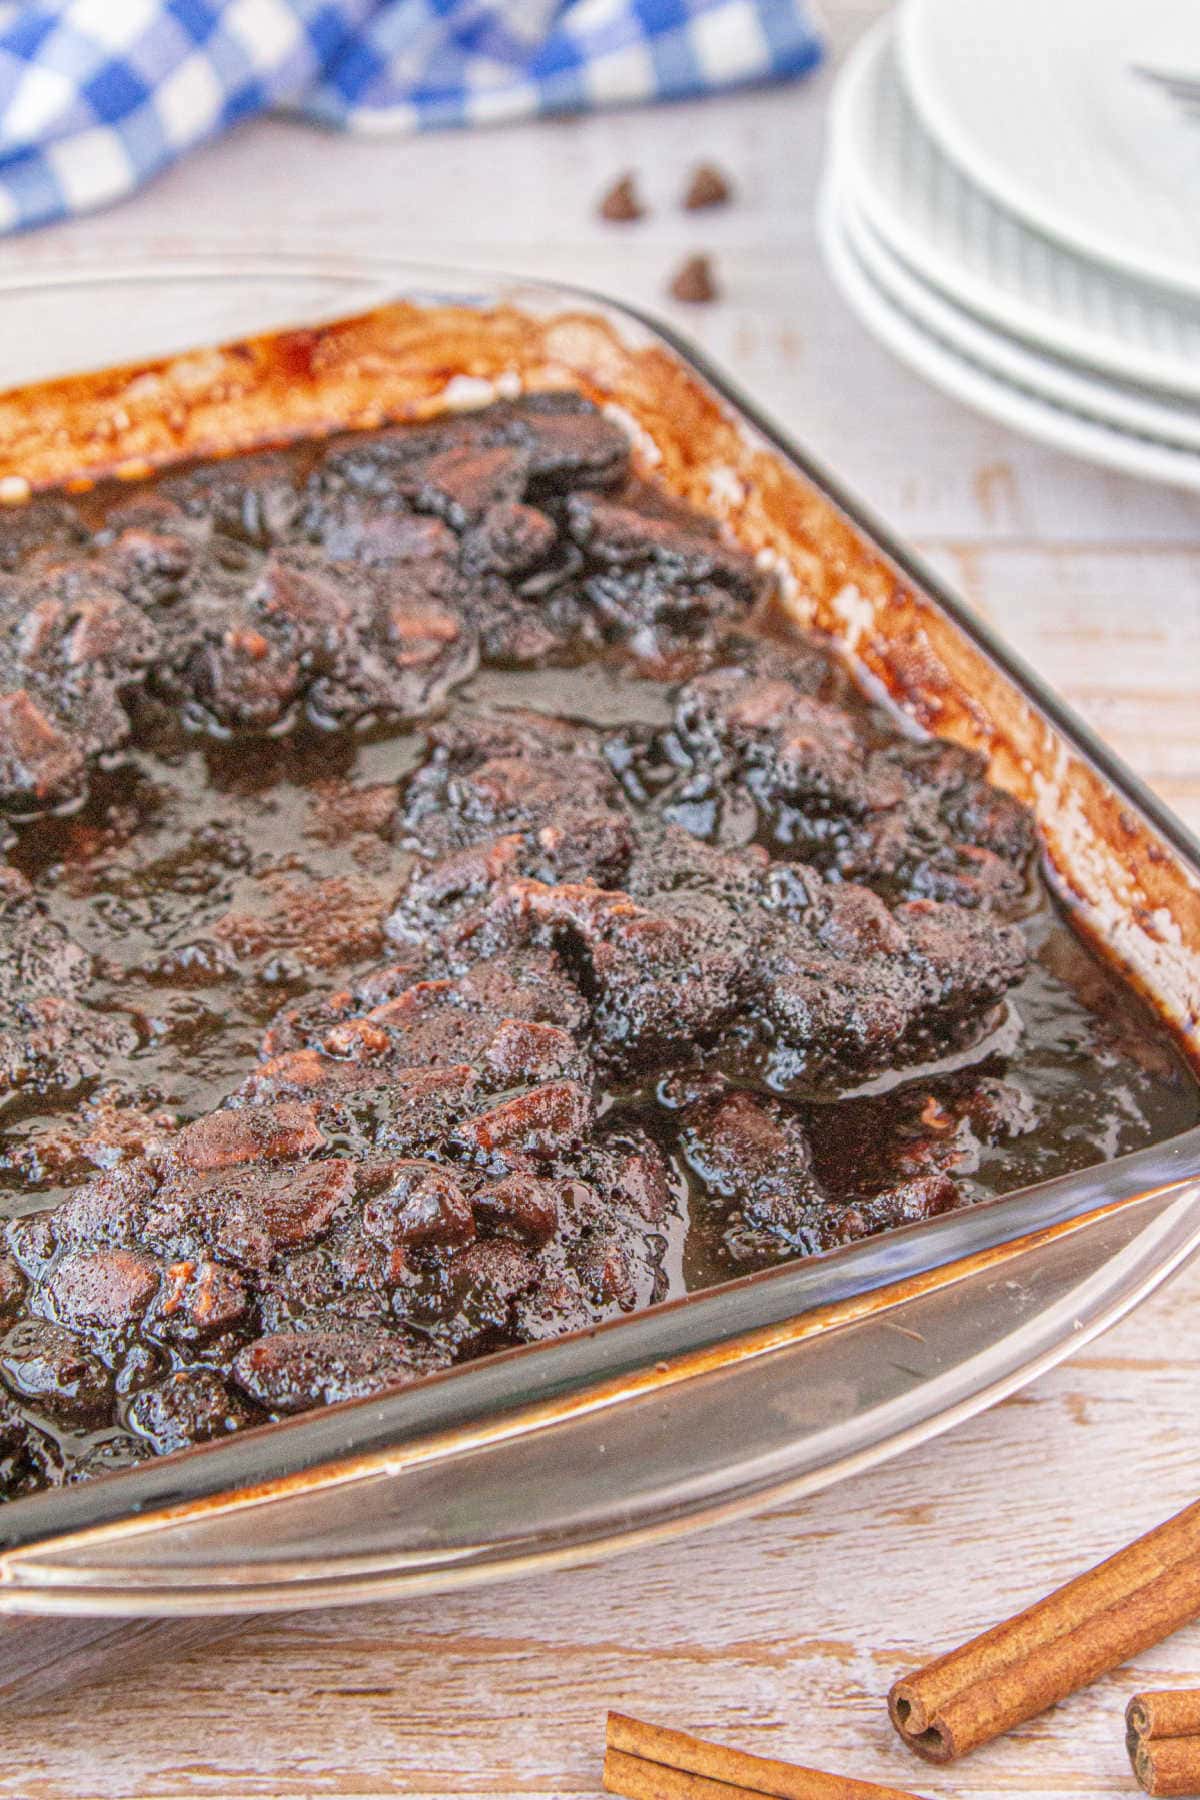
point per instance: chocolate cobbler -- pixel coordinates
(445, 904)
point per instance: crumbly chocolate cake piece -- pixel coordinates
(766, 1165)
(188, 1406)
(42, 529)
(516, 796)
(347, 642)
(70, 648)
(753, 1156)
(255, 499)
(906, 816)
(29, 1457)
(44, 1363)
(949, 1127)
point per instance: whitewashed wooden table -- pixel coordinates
(808, 1611)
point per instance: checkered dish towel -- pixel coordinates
(96, 96)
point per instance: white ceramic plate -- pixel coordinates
(938, 361)
(1048, 377)
(1040, 106)
(985, 259)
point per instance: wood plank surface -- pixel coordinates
(809, 1611)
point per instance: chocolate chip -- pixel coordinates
(694, 282)
(706, 187)
(622, 203)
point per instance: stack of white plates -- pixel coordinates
(1015, 211)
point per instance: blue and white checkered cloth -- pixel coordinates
(96, 96)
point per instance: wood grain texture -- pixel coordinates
(740, 1633)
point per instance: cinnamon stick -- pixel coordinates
(1164, 1741)
(635, 1779)
(652, 1762)
(1165, 1713)
(1019, 1668)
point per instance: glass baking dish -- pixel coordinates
(706, 1406)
